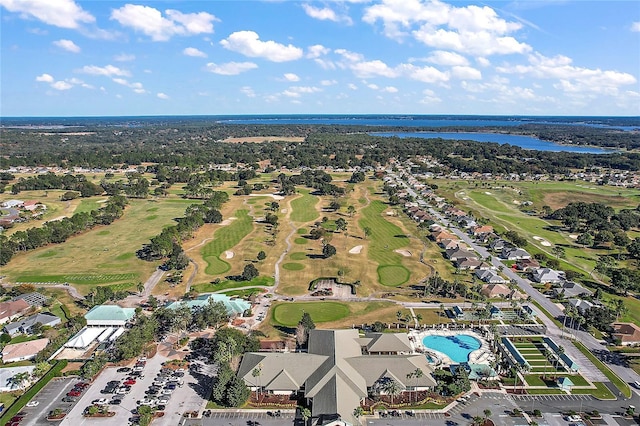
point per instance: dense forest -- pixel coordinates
(193, 146)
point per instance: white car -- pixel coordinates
(162, 402)
(167, 391)
(101, 401)
(32, 403)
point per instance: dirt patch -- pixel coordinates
(542, 241)
(557, 200)
(355, 250)
(72, 366)
(405, 253)
(229, 254)
(260, 139)
(228, 221)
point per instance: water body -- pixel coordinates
(525, 142)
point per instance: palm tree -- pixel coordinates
(391, 388)
(358, 411)
(140, 287)
(487, 413)
(619, 308)
(417, 374)
(546, 354)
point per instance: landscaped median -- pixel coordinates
(32, 391)
(611, 375)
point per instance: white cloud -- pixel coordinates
(466, 73)
(60, 13)
(635, 27)
(349, 56)
(297, 91)
(324, 14)
(162, 95)
(368, 69)
(230, 68)
(389, 89)
(249, 44)
(108, 71)
(468, 29)
(192, 51)
(425, 74)
(328, 82)
(45, 78)
(441, 57)
(248, 91)
(150, 21)
(61, 85)
(571, 78)
(429, 97)
(317, 50)
(352, 86)
(137, 87)
(483, 62)
(373, 86)
(124, 57)
(67, 45)
(291, 77)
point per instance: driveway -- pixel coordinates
(49, 398)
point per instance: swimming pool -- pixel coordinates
(457, 347)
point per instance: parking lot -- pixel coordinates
(189, 397)
(49, 398)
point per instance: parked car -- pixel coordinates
(129, 382)
(100, 401)
(69, 399)
(32, 404)
(74, 393)
(124, 370)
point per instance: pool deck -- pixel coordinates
(482, 355)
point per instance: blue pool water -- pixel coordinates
(456, 347)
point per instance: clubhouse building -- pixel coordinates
(339, 370)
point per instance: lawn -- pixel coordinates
(261, 281)
(289, 314)
(303, 209)
(601, 391)
(103, 255)
(224, 239)
(384, 239)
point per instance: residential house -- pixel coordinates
(442, 235)
(526, 265)
(498, 244)
(449, 243)
(460, 253)
(13, 309)
(581, 305)
(7, 381)
(490, 276)
(547, 275)
(465, 264)
(627, 332)
(481, 230)
(33, 299)
(514, 253)
(570, 289)
(23, 351)
(336, 373)
(25, 325)
(492, 291)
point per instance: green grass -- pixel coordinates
(601, 391)
(289, 314)
(87, 206)
(293, 266)
(301, 241)
(261, 281)
(225, 238)
(125, 256)
(298, 255)
(385, 238)
(302, 231)
(545, 392)
(76, 278)
(32, 391)
(303, 209)
(613, 377)
(244, 294)
(393, 275)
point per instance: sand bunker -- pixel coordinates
(355, 250)
(405, 253)
(228, 221)
(487, 193)
(573, 236)
(229, 254)
(542, 241)
(274, 196)
(101, 201)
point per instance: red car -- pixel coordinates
(82, 385)
(74, 393)
(129, 382)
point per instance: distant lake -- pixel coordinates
(525, 142)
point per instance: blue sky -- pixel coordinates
(540, 57)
